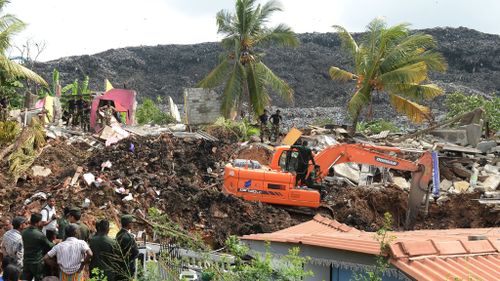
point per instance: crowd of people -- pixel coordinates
(51, 247)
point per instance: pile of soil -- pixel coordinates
(181, 177)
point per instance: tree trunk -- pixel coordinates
(355, 120)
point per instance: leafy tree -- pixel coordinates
(10, 25)
(148, 112)
(241, 69)
(391, 60)
(459, 103)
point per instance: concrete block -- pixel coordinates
(453, 136)
(492, 183)
(486, 146)
(474, 132)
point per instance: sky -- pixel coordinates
(77, 27)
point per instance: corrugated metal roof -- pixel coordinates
(422, 254)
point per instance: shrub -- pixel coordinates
(459, 103)
(376, 126)
(149, 113)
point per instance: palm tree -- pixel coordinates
(10, 26)
(390, 60)
(241, 69)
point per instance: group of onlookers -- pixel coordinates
(49, 247)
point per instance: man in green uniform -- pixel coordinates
(105, 251)
(63, 222)
(74, 216)
(128, 247)
(35, 245)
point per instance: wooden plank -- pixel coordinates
(292, 136)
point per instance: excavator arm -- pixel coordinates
(421, 169)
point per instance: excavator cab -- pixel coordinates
(273, 184)
(289, 160)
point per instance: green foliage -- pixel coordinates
(98, 275)
(9, 88)
(27, 145)
(376, 126)
(287, 268)
(323, 121)
(381, 262)
(10, 25)
(459, 103)
(391, 60)
(241, 69)
(234, 130)
(149, 113)
(9, 130)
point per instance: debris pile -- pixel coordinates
(179, 176)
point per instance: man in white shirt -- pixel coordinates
(72, 255)
(12, 244)
(49, 216)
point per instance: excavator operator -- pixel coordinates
(305, 155)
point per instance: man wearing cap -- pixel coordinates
(35, 244)
(105, 251)
(74, 216)
(12, 242)
(72, 255)
(128, 247)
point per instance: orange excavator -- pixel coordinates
(276, 183)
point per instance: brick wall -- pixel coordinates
(201, 106)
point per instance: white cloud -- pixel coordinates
(71, 27)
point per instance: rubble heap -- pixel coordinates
(178, 176)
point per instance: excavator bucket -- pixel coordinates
(419, 188)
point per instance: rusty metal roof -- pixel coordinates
(469, 254)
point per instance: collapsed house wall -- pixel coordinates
(201, 106)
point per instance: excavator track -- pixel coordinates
(323, 210)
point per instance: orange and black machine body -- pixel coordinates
(275, 183)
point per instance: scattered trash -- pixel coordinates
(89, 178)
(39, 171)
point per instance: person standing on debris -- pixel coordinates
(275, 122)
(12, 242)
(62, 223)
(49, 217)
(305, 156)
(74, 216)
(105, 250)
(35, 244)
(128, 247)
(264, 129)
(72, 255)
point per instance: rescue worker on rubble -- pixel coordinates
(74, 216)
(275, 122)
(264, 129)
(105, 251)
(106, 112)
(305, 156)
(128, 248)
